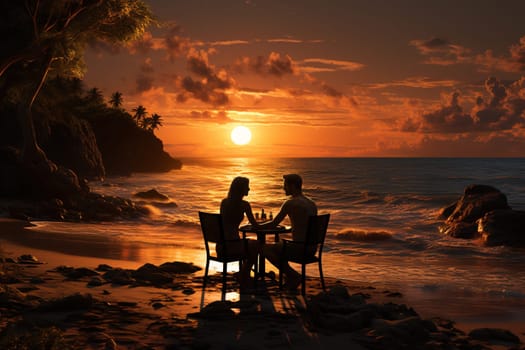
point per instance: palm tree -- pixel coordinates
(51, 36)
(116, 100)
(154, 122)
(95, 96)
(140, 115)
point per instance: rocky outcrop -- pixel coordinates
(82, 207)
(87, 138)
(80, 141)
(35, 181)
(503, 227)
(67, 140)
(72, 144)
(147, 275)
(126, 148)
(152, 194)
(393, 326)
(483, 212)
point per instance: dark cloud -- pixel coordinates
(220, 117)
(461, 146)
(449, 119)
(147, 66)
(431, 45)
(330, 91)
(434, 43)
(201, 91)
(502, 108)
(273, 65)
(211, 85)
(175, 44)
(144, 83)
(143, 45)
(496, 91)
(144, 80)
(517, 54)
(198, 65)
(440, 51)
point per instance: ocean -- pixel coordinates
(383, 230)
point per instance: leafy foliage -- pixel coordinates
(44, 38)
(143, 121)
(61, 29)
(116, 100)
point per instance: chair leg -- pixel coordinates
(224, 270)
(205, 279)
(255, 274)
(321, 275)
(303, 279)
(281, 273)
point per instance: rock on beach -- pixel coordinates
(482, 212)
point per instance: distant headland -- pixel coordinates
(84, 138)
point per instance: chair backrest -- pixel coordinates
(211, 225)
(317, 227)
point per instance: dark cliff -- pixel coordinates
(126, 148)
(83, 134)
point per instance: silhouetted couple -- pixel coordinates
(298, 208)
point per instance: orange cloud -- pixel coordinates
(441, 52)
(416, 82)
(329, 65)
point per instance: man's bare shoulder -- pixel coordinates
(299, 201)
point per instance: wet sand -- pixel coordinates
(277, 324)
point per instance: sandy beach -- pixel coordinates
(71, 293)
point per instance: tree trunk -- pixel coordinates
(32, 154)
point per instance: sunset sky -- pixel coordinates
(338, 78)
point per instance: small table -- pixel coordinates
(261, 238)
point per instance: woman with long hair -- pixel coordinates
(233, 210)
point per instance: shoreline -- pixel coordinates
(54, 258)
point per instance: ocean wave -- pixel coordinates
(168, 204)
(381, 208)
(185, 223)
(363, 236)
(505, 293)
(471, 290)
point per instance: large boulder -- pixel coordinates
(503, 227)
(483, 212)
(475, 202)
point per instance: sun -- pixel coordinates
(241, 135)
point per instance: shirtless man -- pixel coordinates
(298, 208)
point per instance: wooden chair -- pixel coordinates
(315, 235)
(213, 232)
